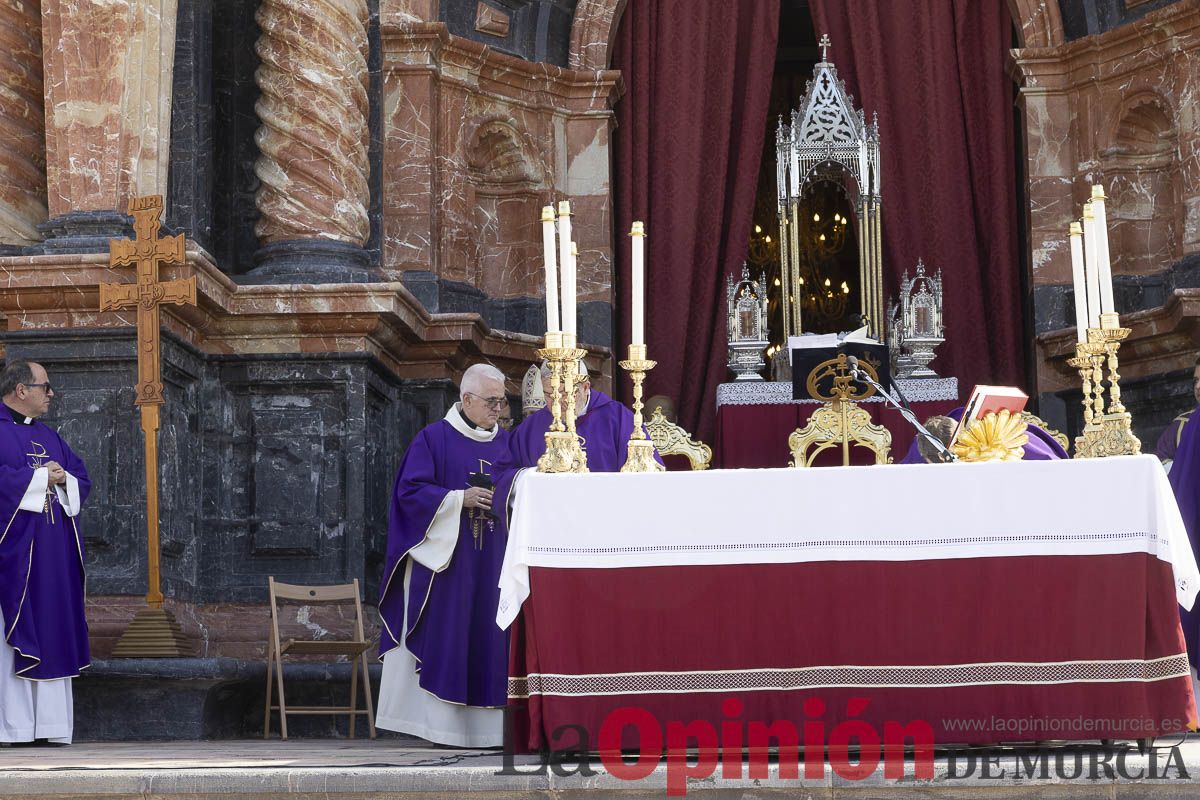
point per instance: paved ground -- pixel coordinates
(408, 769)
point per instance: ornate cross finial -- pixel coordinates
(824, 43)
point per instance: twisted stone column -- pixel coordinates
(314, 133)
(22, 123)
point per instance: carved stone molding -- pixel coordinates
(23, 121)
(314, 136)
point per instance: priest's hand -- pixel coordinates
(57, 473)
(478, 497)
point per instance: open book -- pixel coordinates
(990, 399)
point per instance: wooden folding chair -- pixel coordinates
(355, 649)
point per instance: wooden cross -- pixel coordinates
(146, 252)
(153, 631)
(824, 43)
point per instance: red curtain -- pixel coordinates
(689, 138)
(935, 71)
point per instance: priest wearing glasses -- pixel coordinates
(43, 485)
(445, 663)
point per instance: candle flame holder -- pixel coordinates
(564, 452)
(1108, 427)
(640, 453)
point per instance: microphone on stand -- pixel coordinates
(860, 375)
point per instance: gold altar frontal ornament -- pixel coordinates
(993, 437)
(640, 454)
(563, 451)
(840, 420)
(1107, 426)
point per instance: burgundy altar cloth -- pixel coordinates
(882, 642)
(751, 436)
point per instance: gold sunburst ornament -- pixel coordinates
(993, 437)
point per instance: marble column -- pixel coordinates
(108, 74)
(22, 119)
(313, 139)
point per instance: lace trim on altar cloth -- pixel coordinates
(1149, 541)
(852, 676)
(755, 393)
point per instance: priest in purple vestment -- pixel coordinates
(445, 663)
(1168, 441)
(604, 425)
(1041, 446)
(1185, 482)
(43, 485)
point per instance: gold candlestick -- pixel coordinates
(563, 451)
(640, 456)
(1107, 430)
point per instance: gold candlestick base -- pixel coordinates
(561, 453)
(640, 452)
(1108, 427)
(563, 450)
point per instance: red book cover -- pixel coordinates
(991, 399)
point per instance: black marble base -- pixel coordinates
(207, 698)
(311, 261)
(517, 314)
(1054, 304)
(84, 232)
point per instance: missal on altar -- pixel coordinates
(988, 400)
(809, 350)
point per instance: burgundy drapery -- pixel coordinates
(687, 147)
(935, 72)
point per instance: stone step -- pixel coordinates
(380, 770)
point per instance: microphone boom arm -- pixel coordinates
(860, 374)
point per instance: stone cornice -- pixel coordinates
(1161, 339)
(383, 320)
(1111, 55)
(429, 46)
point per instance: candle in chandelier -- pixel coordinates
(551, 269)
(1077, 273)
(637, 236)
(1090, 267)
(568, 266)
(1105, 269)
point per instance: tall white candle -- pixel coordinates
(552, 323)
(637, 236)
(1105, 269)
(1091, 269)
(1077, 273)
(568, 266)
(569, 292)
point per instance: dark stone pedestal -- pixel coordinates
(206, 698)
(84, 231)
(311, 261)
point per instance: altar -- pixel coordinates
(755, 418)
(983, 600)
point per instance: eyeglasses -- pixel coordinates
(494, 403)
(43, 386)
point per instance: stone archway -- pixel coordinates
(592, 33)
(1039, 22)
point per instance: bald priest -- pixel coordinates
(445, 663)
(602, 423)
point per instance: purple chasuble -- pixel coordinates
(1185, 482)
(605, 430)
(41, 557)
(462, 656)
(1168, 441)
(1041, 446)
